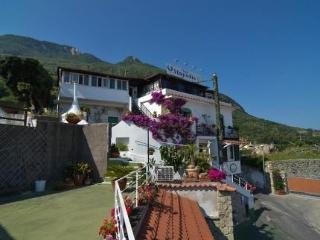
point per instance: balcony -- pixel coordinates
(206, 130)
(231, 133)
(211, 130)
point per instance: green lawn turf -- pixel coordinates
(70, 215)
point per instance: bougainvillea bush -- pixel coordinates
(171, 126)
(216, 174)
(147, 193)
(108, 230)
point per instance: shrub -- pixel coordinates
(118, 171)
(122, 147)
(277, 180)
(216, 174)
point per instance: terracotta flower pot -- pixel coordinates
(280, 192)
(193, 173)
(78, 179)
(122, 183)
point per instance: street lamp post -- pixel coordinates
(218, 116)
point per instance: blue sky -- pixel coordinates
(266, 53)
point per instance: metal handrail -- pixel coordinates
(142, 108)
(124, 227)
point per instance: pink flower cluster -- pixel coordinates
(174, 105)
(172, 126)
(157, 97)
(216, 174)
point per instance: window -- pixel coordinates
(113, 120)
(74, 77)
(119, 84)
(231, 152)
(66, 77)
(93, 81)
(124, 85)
(105, 83)
(99, 82)
(86, 80)
(80, 79)
(112, 83)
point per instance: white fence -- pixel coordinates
(134, 180)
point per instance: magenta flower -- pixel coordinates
(216, 174)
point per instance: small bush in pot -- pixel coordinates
(114, 151)
(118, 171)
(278, 182)
(122, 147)
(80, 172)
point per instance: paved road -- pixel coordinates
(292, 216)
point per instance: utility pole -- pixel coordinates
(148, 146)
(218, 117)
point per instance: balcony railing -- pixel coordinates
(231, 133)
(211, 130)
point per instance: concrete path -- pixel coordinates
(290, 216)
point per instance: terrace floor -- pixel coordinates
(70, 215)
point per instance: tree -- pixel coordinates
(28, 81)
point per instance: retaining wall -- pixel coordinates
(28, 154)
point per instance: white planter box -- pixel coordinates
(40, 185)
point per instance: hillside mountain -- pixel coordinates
(52, 55)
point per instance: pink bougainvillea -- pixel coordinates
(173, 125)
(157, 97)
(216, 174)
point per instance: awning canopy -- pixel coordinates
(231, 142)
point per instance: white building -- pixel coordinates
(105, 97)
(199, 103)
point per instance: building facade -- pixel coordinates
(103, 97)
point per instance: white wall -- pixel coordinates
(98, 113)
(198, 105)
(94, 93)
(137, 141)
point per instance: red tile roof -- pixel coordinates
(173, 217)
(213, 185)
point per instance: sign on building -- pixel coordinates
(232, 167)
(181, 73)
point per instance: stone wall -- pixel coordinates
(27, 154)
(223, 226)
(305, 168)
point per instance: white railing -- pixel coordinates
(134, 180)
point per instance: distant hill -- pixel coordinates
(52, 55)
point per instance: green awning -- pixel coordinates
(186, 110)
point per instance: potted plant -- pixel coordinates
(190, 156)
(81, 172)
(119, 171)
(114, 151)
(171, 156)
(278, 182)
(108, 229)
(122, 148)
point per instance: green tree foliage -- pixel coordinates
(27, 81)
(263, 131)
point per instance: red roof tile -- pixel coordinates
(173, 217)
(214, 185)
